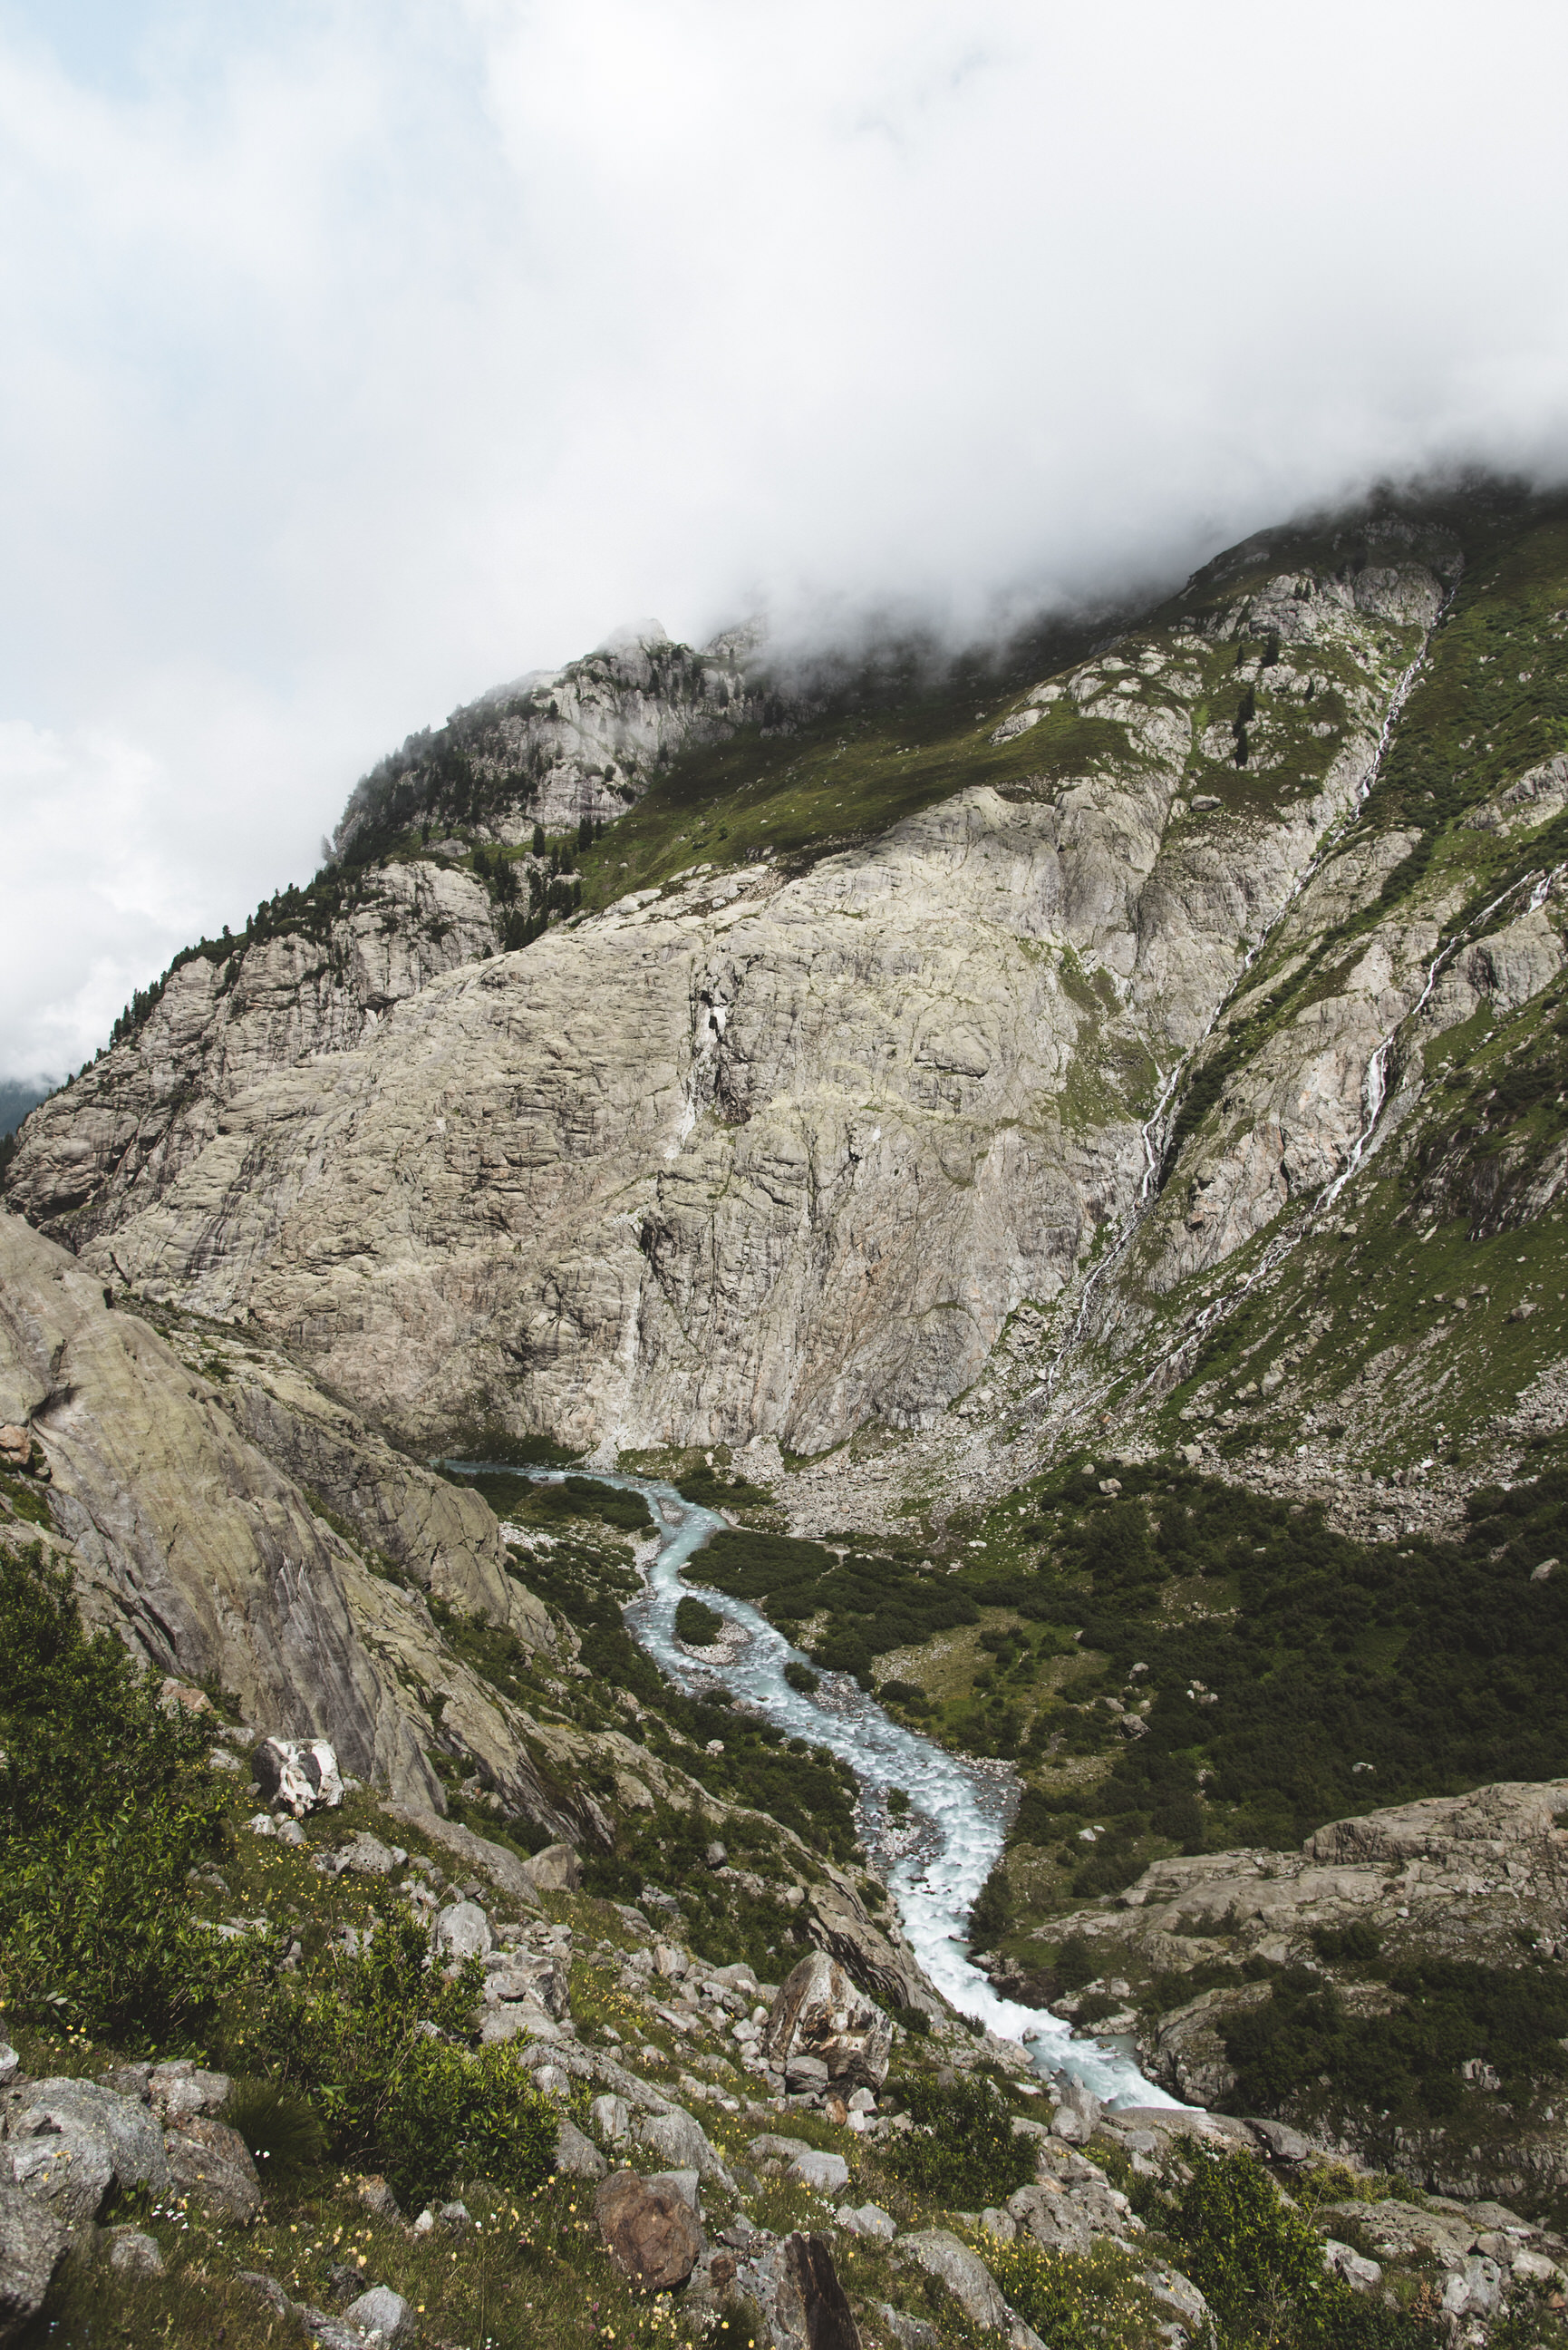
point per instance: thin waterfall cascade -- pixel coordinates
(958, 1810)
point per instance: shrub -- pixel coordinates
(1258, 2262)
(696, 1623)
(282, 2131)
(801, 1679)
(377, 2037)
(105, 1802)
(1076, 2301)
(961, 2150)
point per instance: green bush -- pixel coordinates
(105, 1801)
(1074, 2300)
(696, 1623)
(378, 2039)
(284, 2131)
(801, 1679)
(1258, 2262)
(961, 2149)
(1406, 2065)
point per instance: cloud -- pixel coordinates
(357, 357)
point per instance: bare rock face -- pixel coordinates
(819, 2014)
(649, 2233)
(154, 1103)
(248, 1588)
(767, 1155)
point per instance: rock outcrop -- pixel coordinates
(774, 1154)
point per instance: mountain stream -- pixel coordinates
(938, 1859)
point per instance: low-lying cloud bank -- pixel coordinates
(358, 358)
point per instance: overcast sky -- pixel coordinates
(357, 357)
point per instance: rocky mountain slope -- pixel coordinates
(1075, 1139)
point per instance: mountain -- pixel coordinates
(1065, 1144)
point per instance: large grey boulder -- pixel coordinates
(71, 2142)
(556, 1869)
(180, 2089)
(971, 2283)
(383, 2317)
(462, 1932)
(678, 2142)
(33, 2236)
(575, 2156)
(211, 2164)
(820, 2017)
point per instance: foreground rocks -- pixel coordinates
(822, 2029)
(649, 2231)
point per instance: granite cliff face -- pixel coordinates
(774, 1152)
(561, 744)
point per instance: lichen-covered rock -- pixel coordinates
(649, 2233)
(820, 2016)
(32, 2239)
(71, 2142)
(678, 2142)
(211, 2164)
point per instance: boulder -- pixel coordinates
(611, 2116)
(542, 1982)
(909, 2333)
(297, 1775)
(211, 2164)
(684, 2183)
(867, 2220)
(180, 2089)
(556, 1869)
(33, 2237)
(72, 2141)
(680, 2142)
(362, 1855)
(826, 2172)
(135, 2253)
(327, 2332)
(1280, 2141)
(1180, 2295)
(382, 2316)
(820, 2017)
(10, 2064)
(575, 2156)
(16, 1447)
(1475, 2290)
(810, 2310)
(462, 1932)
(648, 2232)
(965, 2275)
(1352, 2265)
(376, 2197)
